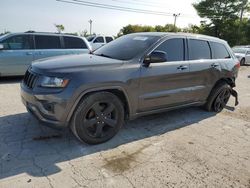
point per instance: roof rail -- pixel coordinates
(30, 31)
(41, 32)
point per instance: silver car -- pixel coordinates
(18, 50)
(242, 53)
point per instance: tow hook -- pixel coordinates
(235, 95)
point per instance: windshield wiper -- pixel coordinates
(103, 55)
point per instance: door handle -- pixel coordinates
(29, 53)
(214, 65)
(182, 67)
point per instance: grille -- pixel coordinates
(30, 79)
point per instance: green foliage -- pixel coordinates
(223, 19)
(59, 27)
(140, 28)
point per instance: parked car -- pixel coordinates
(18, 50)
(96, 41)
(242, 53)
(135, 75)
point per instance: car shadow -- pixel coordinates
(26, 146)
(11, 80)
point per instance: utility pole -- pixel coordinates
(90, 26)
(175, 17)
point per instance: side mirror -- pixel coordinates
(155, 57)
(1, 46)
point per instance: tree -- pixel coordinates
(139, 28)
(59, 27)
(5, 32)
(222, 18)
(83, 33)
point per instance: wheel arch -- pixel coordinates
(116, 90)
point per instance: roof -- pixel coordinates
(191, 35)
(43, 33)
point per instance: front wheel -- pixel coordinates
(98, 118)
(218, 98)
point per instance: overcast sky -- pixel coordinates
(41, 15)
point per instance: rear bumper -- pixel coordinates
(46, 108)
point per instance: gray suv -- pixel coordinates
(18, 50)
(134, 75)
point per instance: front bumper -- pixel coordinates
(50, 109)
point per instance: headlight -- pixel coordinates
(54, 82)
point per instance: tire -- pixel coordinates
(220, 94)
(242, 61)
(98, 118)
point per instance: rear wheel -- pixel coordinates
(98, 118)
(219, 97)
(242, 61)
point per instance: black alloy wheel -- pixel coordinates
(221, 100)
(98, 118)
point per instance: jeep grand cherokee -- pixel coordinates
(134, 75)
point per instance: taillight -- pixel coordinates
(237, 65)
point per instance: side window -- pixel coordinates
(99, 40)
(74, 43)
(199, 49)
(248, 52)
(108, 39)
(174, 49)
(19, 42)
(219, 51)
(47, 42)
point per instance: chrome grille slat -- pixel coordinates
(30, 79)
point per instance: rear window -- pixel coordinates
(99, 40)
(219, 51)
(108, 39)
(74, 43)
(47, 42)
(199, 49)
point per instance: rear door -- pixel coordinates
(166, 84)
(74, 45)
(17, 55)
(204, 69)
(48, 46)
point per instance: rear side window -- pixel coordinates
(18, 42)
(47, 42)
(74, 43)
(199, 49)
(174, 49)
(99, 40)
(108, 39)
(219, 51)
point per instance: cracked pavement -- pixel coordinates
(183, 148)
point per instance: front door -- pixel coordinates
(166, 84)
(17, 55)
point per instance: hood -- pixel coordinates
(239, 54)
(69, 63)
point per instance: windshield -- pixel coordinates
(240, 50)
(90, 38)
(127, 47)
